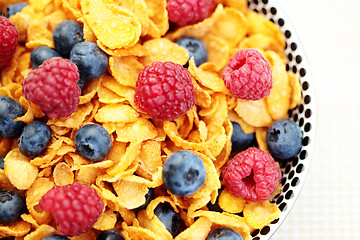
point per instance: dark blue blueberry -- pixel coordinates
(12, 205)
(34, 139)
(148, 197)
(224, 233)
(284, 139)
(2, 162)
(10, 110)
(240, 140)
(91, 61)
(110, 235)
(169, 218)
(93, 142)
(40, 54)
(215, 207)
(12, 9)
(81, 83)
(55, 237)
(66, 35)
(183, 173)
(195, 48)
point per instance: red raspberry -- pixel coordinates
(53, 87)
(8, 40)
(184, 12)
(248, 75)
(164, 90)
(252, 174)
(75, 207)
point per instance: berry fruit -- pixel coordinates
(184, 12)
(224, 233)
(75, 207)
(12, 205)
(9, 111)
(40, 54)
(55, 237)
(93, 142)
(110, 235)
(53, 87)
(91, 61)
(12, 9)
(240, 140)
(284, 139)
(164, 90)
(169, 218)
(183, 173)
(196, 48)
(252, 174)
(8, 40)
(248, 75)
(34, 139)
(66, 35)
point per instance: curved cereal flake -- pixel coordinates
(137, 131)
(278, 102)
(224, 155)
(260, 135)
(149, 158)
(130, 194)
(231, 27)
(119, 113)
(234, 117)
(237, 4)
(89, 235)
(125, 70)
(30, 219)
(260, 214)
(41, 232)
(218, 51)
(5, 145)
(219, 115)
(163, 50)
(17, 229)
(107, 96)
(295, 90)
(230, 203)
(137, 50)
(113, 30)
(106, 220)
(154, 225)
(254, 113)
(72, 6)
(199, 230)
(63, 174)
(158, 14)
(138, 233)
(121, 90)
(15, 163)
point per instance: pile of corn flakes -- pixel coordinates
(141, 144)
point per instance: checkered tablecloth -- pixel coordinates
(329, 204)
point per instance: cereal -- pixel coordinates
(134, 34)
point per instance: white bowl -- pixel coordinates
(295, 170)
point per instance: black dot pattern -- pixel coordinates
(293, 170)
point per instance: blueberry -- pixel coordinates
(284, 139)
(10, 110)
(2, 162)
(66, 35)
(12, 205)
(110, 235)
(91, 61)
(93, 142)
(81, 83)
(195, 48)
(55, 237)
(169, 218)
(224, 233)
(183, 173)
(148, 197)
(240, 140)
(34, 139)
(12, 9)
(40, 54)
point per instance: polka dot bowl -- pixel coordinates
(295, 170)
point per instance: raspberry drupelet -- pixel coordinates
(8, 40)
(184, 12)
(53, 87)
(164, 90)
(75, 207)
(252, 174)
(248, 75)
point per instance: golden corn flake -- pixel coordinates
(137, 131)
(260, 214)
(295, 90)
(15, 163)
(230, 203)
(41, 232)
(106, 220)
(125, 69)
(119, 112)
(200, 229)
(254, 113)
(63, 174)
(158, 15)
(18, 229)
(130, 194)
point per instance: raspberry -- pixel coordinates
(53, 87)
(248, 75)
(8, 40)
(164, 90)
(75, 207)
(252, 174)
(184, 12)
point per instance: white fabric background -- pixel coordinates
(329, 205)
